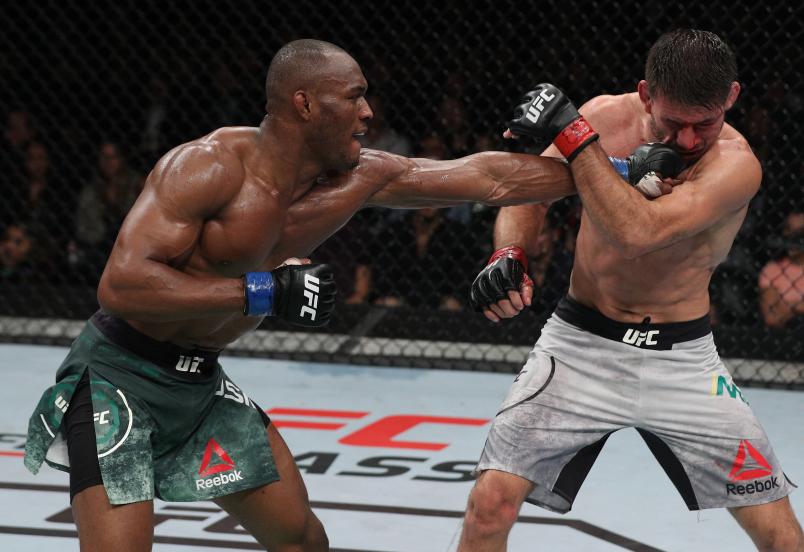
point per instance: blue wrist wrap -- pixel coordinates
(620, 165)
(259, 290)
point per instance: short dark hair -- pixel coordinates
(692, 67)
(295, 64)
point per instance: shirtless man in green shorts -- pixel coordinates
(141, 407)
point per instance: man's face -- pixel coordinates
(37, 161)
(14, 247)
(109, 160)
(342, 113)
(794, 234)
(690, 130)
(19, 127)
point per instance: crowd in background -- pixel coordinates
(61, 213)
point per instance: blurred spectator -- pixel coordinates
(225, 108)
(550, 265)
(758, 129)
(103, 203)
(380, 135)
(17, 136)
(41, 201)
(347, 252)
(484, 142)
(432, 146)
(154, 141)
(416, 262)
(16, 248)
(454, 128)
(781, 282)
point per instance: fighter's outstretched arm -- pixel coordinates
(492, 177)
(141, 281)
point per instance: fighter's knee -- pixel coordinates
(297, 531)
(491, 509)
(315, 537)
(782, 539)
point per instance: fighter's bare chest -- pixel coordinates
(260, 237)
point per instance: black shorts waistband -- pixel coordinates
(190, 364)
(638, 334)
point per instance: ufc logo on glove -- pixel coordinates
(311, 288)
(537, 107)
(302, 294)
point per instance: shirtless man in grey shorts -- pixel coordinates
(630, 345)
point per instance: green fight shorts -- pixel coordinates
(168, 421)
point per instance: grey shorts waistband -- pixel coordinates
(644, 335)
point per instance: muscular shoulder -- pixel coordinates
(609, 111)
(206, 172)
(375, 169)
(381, 163)
(731, 156)
(617, 119)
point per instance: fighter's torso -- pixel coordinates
(669, 284)
(259, 229)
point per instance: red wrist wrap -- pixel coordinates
(512, 251)
(575, 136)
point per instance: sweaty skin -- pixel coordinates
(635, 257)
(220, 206)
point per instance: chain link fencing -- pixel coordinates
(94, 93)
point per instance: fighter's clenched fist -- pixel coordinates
(547, 115)
(503, 287)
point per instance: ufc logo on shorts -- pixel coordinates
(101, 417)
(537, 107)
(634, 337)
(61, 404)
(311, 288)
(188, 363)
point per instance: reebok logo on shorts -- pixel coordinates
(740, 472)
(226, 464)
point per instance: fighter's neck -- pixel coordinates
(280, 155)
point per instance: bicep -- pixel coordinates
(719, 190)
(154, 230)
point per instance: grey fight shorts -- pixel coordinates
(589, 376)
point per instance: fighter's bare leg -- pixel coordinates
(492, 510)
(103, 527)
(772, 526)
(278, 515)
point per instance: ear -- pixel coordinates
(644, 95)
(734, 92)
(301, 101)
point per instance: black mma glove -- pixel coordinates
(547, 115)
(506, 271)
(303, 295)
(647, 164)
